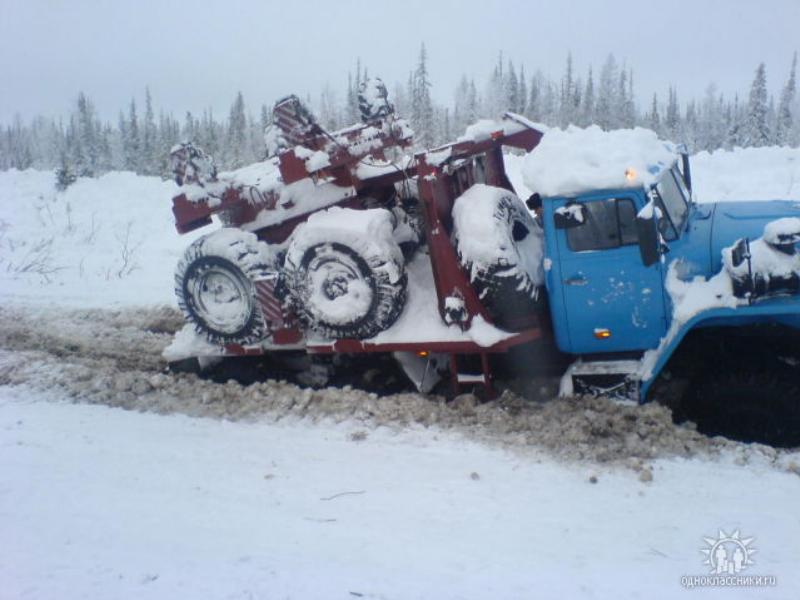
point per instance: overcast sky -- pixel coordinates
(196, 54)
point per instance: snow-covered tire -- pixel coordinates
(502, 247)
(345, 276)
(214, 285)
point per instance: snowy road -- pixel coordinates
(99, 502)
(130, 505)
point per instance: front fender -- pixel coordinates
(783, 311)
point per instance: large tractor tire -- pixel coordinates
(502, 247)
(345, 274)
(214, 285)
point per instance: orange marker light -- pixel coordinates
(630, 174)
(602, 334)
(422, 353)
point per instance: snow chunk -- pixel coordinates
(575, 160)
(188, 343)
(575, 212)
(318, 160)
(484, 334)
(511, 123)
(767, 260)
(420, 320)
(368, 232)
(782, 231)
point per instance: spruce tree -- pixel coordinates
(607, 99)
(588, 105)
(132, 151)
(756, 127)
(237, 134)
(523, 92)
(149, 161)
(421, 105)
(672, 121)
(653, 118)
(785, 118)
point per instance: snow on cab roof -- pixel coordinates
(575, 160)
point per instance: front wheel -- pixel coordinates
(753, 407)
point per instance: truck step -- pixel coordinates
(470, 378)
(604, 367)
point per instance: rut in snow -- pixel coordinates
(114, 358)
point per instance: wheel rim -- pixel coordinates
(222, 299)
(339, 291)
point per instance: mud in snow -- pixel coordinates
(113, 357)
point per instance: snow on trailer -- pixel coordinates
(341, 242)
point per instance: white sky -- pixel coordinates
(196, 54)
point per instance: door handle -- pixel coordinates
(576, 280)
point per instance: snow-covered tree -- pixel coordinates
(511, 90)
(534, 109)
(132, 143)
(150, 154)
(237, 154)
(422, 118)
(607, 98)
(566, 100)
(756, 126)
(785, 118)
(672, 119)
(653, 117)
(588, 102)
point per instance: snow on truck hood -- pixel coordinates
(735, 220)
(575, 160)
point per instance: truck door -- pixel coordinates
(613, 303)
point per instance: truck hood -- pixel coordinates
(731, 221)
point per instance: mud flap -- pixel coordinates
(423, 371)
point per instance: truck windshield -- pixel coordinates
(674, 205)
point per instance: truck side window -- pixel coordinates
(609, 224)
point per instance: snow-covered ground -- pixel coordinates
(501, 501)
(103, 503)
(103, 242)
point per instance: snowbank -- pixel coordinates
(104, 241)
(574, 160)
(747, 174)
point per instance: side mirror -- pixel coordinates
(687, 171)
(649, 247)
(740, 252)
(570, 216)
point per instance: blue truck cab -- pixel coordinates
(610, 255)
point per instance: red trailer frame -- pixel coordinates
(443, 174)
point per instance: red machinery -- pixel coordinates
(356, 168)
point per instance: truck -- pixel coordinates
(347, 243)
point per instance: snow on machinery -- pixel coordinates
(341, 243)
(645, 285)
